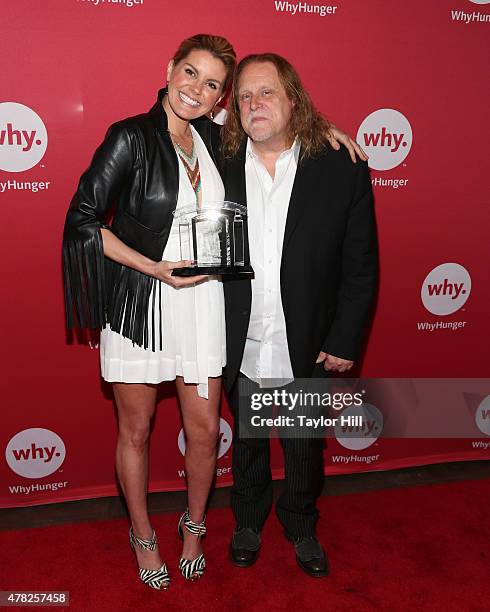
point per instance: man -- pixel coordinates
(312, 243)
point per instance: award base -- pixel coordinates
(245, 271)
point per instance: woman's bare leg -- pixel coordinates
(201, 425)
(135, 408)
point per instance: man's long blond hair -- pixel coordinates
(306, 122)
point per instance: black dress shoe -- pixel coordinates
(310, 556)
(244, 546)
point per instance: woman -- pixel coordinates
(156, 327)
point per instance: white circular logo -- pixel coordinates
(369, 430)
(482, 416)
(386, 136)
(225, 438)
(480, 1)
(445, 289)
(23, 137)
(35, 452)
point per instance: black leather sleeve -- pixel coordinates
(83, 254)
(359, 273)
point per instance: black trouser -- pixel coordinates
(251, 494)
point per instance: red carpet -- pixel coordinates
(420, 548)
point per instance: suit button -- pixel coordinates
(244, 312)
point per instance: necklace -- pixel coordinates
(189, 156)
(179, 142)
(190, 162)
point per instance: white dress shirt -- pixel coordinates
(266, 357)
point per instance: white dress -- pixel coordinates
(193, 318)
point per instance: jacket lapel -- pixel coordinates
(234, 177)
(236, 191)
(302, 188)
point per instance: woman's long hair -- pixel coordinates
(306, 122)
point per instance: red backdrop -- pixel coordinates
(78, 65)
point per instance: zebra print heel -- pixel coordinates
(192, 569)
(156, 579)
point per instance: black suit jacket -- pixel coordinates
(329, 262)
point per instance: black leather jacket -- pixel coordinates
(135, 168)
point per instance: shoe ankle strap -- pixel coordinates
(150, 544)
(198, 529)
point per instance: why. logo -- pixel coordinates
(225, 438)
(386, 136)
(446, 288)
(23, 137)
(482, 416)
(35, 452)
(366, 434)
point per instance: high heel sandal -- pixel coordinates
(192, 569)
(156, 579)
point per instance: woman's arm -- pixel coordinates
(83, 251)
(115, 249)
(336, 136)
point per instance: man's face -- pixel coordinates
(265, 109)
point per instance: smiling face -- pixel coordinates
(195, 85)
(265, 109)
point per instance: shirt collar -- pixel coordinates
(294, 149)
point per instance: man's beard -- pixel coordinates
(251, 128)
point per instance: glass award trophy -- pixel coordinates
(213, 236)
